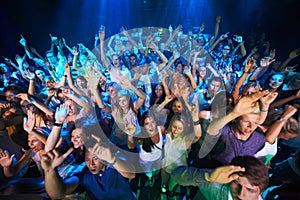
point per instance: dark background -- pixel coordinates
(79, 20)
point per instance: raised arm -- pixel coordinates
(55, 187)
(102, 53)
(222, 37)
(245, 105)
(285, 100)
(125, 33)
(172, 36)
(249, 68)
(274, 130)
(294, 54)
(60, 116)
(103, 152)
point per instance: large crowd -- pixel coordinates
(152, 113)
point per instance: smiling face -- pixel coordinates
(159, 90)
(242, 189)
(276, 81)
(177, 128)
(150, 126)
(81, 83)
(34, 144)
(123, 102)
(40, 74)
(76, 138)
(177, 107)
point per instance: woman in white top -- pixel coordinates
(151, 144)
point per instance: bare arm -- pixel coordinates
(274, 130)
(245, 105)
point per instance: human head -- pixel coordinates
(4, 69)
(148, 124)
(159, 90)
(202, 71)
(49, 82)
(177, 106)
(83, 58)
(252, 182)
(177, 126)
(250, 88)
(290, 129)
(275, 81)
(124, 100)
(40, 74)
(232, 77)
(116, 60)
(247, 123)
(35, 144)
(133, 60)
(93, 162)
(76, 138)
(81, 82)
(214, 85)
(51, 57)
(113, 89)
(226, 50)
(10, 93)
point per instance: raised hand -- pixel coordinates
(225, 174)
(202, 28)
(93, 79)
(53, 159)
(266, 61)
(224, 36)
(289, 111)
(238, 39)
(248, 104)
(101, 150)
(218, 19)
(29, 123)
(22, 41)
(124, 31)
(250, 65)
(53, 39)
(101, 33)
(23, 96)
(130, 128)
(75, 51)
(268, 99)
(6, 159)
(272, 54)
(289, 69)
(61, 113)
(295, 53)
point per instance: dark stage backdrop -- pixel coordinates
(79, 20)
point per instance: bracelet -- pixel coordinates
(264, 111)
(281, 119)
(114, 162)
(196, 122)
(65, 76)
(58, 124)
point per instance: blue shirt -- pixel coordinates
(109, 184)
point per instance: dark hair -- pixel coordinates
(255, 171)
(147, 143)
(154, 96)
(266, 85)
